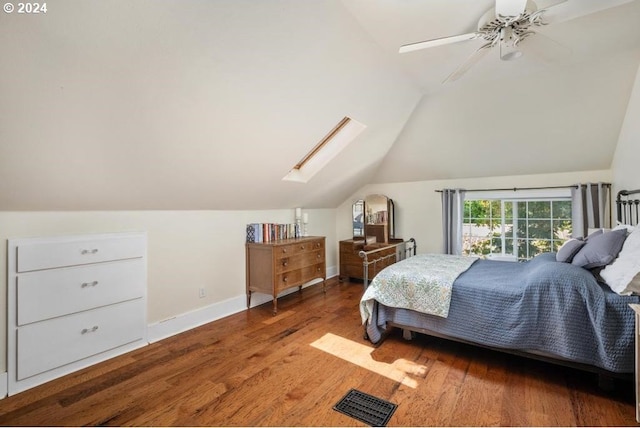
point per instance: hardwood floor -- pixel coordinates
(289, 370)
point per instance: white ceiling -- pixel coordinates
(207, 104)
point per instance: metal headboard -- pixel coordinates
(628, 207)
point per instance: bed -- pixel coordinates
(543, 308)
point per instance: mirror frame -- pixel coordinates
(384, 231)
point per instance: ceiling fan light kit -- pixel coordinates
(508, 48)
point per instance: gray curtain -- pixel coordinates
(452, 213)
(590, 204)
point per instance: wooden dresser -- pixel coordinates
(351, 262)
(273, 267)
(73, 302)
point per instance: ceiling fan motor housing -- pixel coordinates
(508, 31)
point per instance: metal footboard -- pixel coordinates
(372, 258)
(628, 208)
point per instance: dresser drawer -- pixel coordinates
(297, 248)
(299, 276)
(53, 293)
(353, 271)
(50, 344)
(288, 279)
(53, 254)
(312, 272)
(316, 245)
(299, 260)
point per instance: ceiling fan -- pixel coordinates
(509, 23)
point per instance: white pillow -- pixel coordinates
(623, 275)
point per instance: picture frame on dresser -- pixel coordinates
(73, 301)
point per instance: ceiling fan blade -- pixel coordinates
(568, 10)
(510, 7)
(436, 42)
(470, 62)
(544, 48)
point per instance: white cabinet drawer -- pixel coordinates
(54, 254)
(50, 344)
(53, 293)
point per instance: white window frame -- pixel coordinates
(515, 196)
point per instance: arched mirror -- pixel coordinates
(358, 219)
(373, 230)
(373, 217)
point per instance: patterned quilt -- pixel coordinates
(422, 283)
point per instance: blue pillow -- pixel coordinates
(569, 249)
(600, 250)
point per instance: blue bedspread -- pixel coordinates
(541, 306)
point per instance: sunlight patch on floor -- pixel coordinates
(400, 370)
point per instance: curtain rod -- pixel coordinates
(515, 189)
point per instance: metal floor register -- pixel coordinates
(366, 408)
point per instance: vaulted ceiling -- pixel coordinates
(207, 104)
(555, 110)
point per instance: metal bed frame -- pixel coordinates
(402, 250)
(627, 213)
(627, 207)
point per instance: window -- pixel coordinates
(515, 228)
(333, 143)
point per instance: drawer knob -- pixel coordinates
(302, 247)
(89, 330)
(284, 250)
(89, 284)
(319, 256)
(284, 279)
(91, 251)
(285, 263)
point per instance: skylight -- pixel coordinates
(333, 143)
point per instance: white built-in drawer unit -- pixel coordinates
(72, 302)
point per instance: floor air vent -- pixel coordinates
(366, 408)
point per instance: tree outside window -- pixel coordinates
(521, 228)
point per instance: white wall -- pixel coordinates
(418, 208)
(186, 250)
(627, 155)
